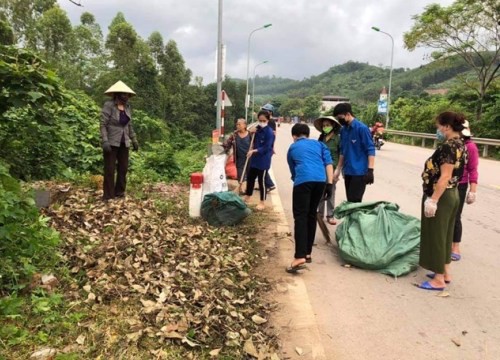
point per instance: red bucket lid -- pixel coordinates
(196, 178)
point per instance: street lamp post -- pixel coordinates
(253, 84)
(248, 66)
(390, 75)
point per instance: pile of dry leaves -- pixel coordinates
(156, 280)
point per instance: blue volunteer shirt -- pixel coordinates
(307, 160)
(263, 143)
(356, 144)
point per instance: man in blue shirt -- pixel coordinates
(307, 160)
(357, 153)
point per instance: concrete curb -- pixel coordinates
(296, 317)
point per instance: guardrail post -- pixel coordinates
(423, 142)
(412, 141)
(435, 144)
(485, 151)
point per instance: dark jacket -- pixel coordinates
(263, 143)
(111, 129)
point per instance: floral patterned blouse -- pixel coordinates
(453, 152)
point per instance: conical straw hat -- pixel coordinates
(119, 87)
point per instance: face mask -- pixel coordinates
(327, 129)
(440, 136)
(262, 125)
(123, 98)
(342, 121)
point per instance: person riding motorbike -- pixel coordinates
(377, 132)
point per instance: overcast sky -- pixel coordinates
(306, 38)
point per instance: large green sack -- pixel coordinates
(376, 236)
(223, 208)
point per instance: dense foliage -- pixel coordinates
(27, 244)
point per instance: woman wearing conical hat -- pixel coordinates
(117, 135)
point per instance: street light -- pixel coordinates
(248, 65)
(390, 75)
(253, 83)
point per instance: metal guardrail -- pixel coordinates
(414, 135)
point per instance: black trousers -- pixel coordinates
(254, 174)
(462, 193)
(306, 198)
(115, 161)
(355, 187)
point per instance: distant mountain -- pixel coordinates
(362, 82)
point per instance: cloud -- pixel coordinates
(306, 38)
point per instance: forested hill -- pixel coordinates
(362, 82)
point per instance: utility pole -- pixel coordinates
(219, 68)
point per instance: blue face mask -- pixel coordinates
(440, 136)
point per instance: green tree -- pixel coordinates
(175, 78)
(55, 36)
(89, 61)
(467, 28)
(155, 42)
(6, 32)
(292, 107)
(121, 43)
(312, 106)
(23, 16)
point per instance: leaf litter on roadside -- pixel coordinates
(181, 281)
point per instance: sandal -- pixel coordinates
(455, 257)
(432, 276)
(293, 269)
(309, 260)
(427, 286)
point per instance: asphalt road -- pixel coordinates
(366, 315)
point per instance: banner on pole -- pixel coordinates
(382, 107)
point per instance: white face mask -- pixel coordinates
(262, 125)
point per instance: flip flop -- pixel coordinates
(294, 269)
(455, 257)
(432, 275)
(309, 260)
(427, 286)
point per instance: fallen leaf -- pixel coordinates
(299, 351)
(456, 342)
(443, 293)
(173, 335)
(44, 354)
(250, 349)
(215, 352)
(80, 340)
(258, 320)
(190, 342)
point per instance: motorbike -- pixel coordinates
(378, 140)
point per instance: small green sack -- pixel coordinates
(224, 208)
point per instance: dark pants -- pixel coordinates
(462, 194)
(306, 198)
(269, 182)
(117, 160)
(253, 174)
(354, 187)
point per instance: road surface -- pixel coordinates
(366, 315)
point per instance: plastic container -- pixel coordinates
(195, 194)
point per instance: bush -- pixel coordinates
(28, 244)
